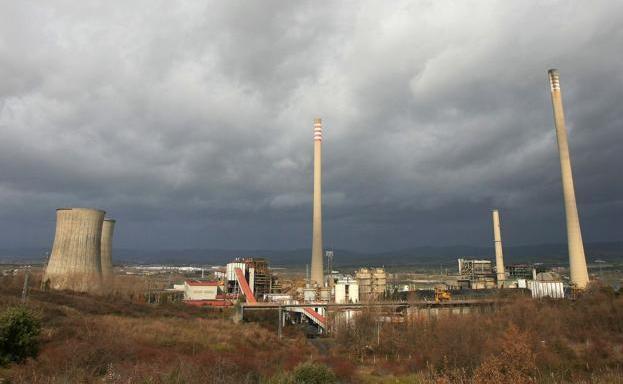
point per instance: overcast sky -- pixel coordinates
(192, 124)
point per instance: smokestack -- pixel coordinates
(499, 256)
(317, 275)
(108, 229)
(577, 260)
(75, 262)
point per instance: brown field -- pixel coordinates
(115, 338)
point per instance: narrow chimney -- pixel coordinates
(317, 275)
(499, 256)
(577, 260)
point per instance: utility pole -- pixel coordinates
(329, 255)
(25, 289)
(279, 329)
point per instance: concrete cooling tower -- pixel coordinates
(108, 229)
(75, 262)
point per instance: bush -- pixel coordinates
(19, 331)
(313, 373)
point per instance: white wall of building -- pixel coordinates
(541, 289)
(230, 272)
(200, 292)
(346, 291)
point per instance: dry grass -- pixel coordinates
(115, 338)
(94, 339)
(523, 342)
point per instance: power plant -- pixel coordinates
(499, 256)
(108, 229)
(317, 270)
(81, 258)
(577, 260)
(75, 262)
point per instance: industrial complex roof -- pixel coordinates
(197, 283)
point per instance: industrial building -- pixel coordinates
(199, 293)
(257, 274)
(543, 289)
(75, 262)
(346, 290)
(202, 290)
(476, 274)
(523, 271)
(372, 283)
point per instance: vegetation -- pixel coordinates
(313, 373)
(19, 332)
(116, 339)
(305, 373)
(523, 341)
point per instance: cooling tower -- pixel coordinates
(499, 256)
(317, 275)
(108, 229)
(577, 260)
(75, 262)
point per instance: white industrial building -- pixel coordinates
(201, 290)
(542, 289)
(346, 290)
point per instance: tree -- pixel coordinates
(313, 373)
(19, 332)
(514, 364)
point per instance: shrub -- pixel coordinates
(515, 363)
(313, 373)
(19, 331)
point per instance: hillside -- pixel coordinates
(118, 339)
(544, 253)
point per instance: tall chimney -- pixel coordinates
(499, 256)
(317, 275)
(577, 260)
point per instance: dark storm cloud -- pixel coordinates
(191, 124)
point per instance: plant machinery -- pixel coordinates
(442, 294)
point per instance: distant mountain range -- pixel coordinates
(429, 255)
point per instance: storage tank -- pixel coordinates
(364, 278)
(309, 294)
(379, 279)
(75, 261)
(108, 229)
(325, 294)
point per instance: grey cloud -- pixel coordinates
(191, 123)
